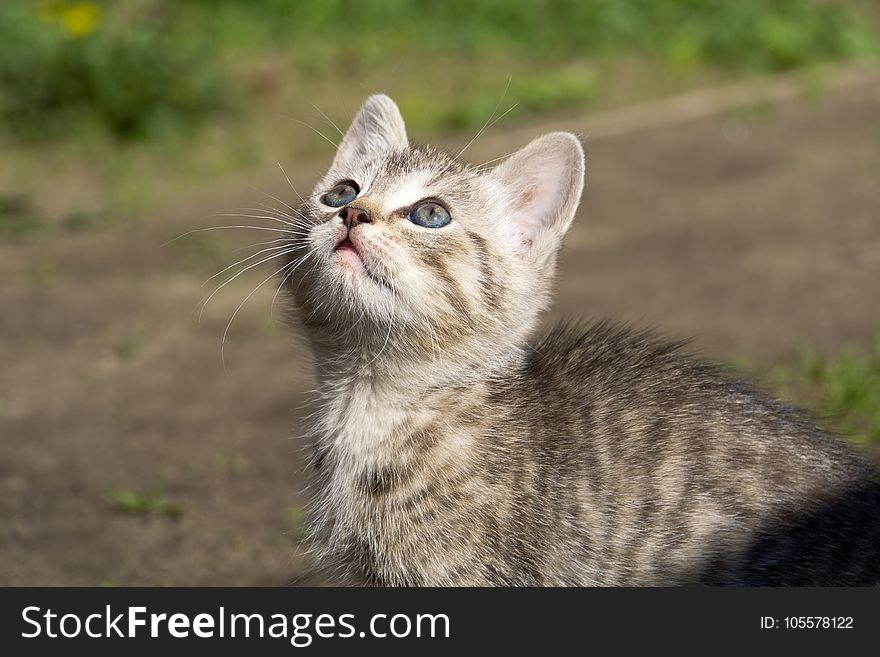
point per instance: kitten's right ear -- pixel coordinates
(377, 129)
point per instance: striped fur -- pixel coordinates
(452, 447)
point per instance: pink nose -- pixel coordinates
(352, 216)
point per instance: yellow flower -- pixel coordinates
(80, 19)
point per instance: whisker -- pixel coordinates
(494, 159)
(329, 120)
(293, 268)
(243, 260)
(265, 207)
(486, 127)
(239, 273)
(288, 212)
(358, 321)
(486, 124)
(318, 132)
(390, 327)
(202, 230)
(307, 274)
(275, 212)
(274, 198)
(292, 221)
(290, 183)
(296, 222)
(291, 240)
(260, 216)
(278, 290)
(240, 306)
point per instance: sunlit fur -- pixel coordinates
(460, 291)
(449, 446)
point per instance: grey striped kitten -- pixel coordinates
(453, 447)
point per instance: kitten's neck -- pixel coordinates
(368, 409)
(410, 377)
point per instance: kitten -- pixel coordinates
(451, 447)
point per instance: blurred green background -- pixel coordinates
(140, 99)
(128, 456)
(118, 90)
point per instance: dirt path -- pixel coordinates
(755, 230)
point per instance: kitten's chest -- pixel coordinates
(384, 528)
(374, 457)
(391, 492)
(361, 426)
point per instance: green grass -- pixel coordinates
(843, 390)
(151, 503)
(137, 68)
(73, 67)
(148, 96)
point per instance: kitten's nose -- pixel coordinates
(352, 216)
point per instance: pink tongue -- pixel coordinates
(347, 245)
(349, 254)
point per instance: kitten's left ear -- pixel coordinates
(544, 182)
(377, 129)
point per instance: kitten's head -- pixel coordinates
(401, 250)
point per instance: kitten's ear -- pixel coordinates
(377, 129)
(544, 181)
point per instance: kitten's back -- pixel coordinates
(684, 474)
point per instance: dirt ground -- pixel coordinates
(755, 230)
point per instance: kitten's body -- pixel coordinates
(452, 449)
(601, 457)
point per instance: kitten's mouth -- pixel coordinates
(349, 255)
(347, 245)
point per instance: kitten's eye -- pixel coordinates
(342, 194)
(429, 215)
